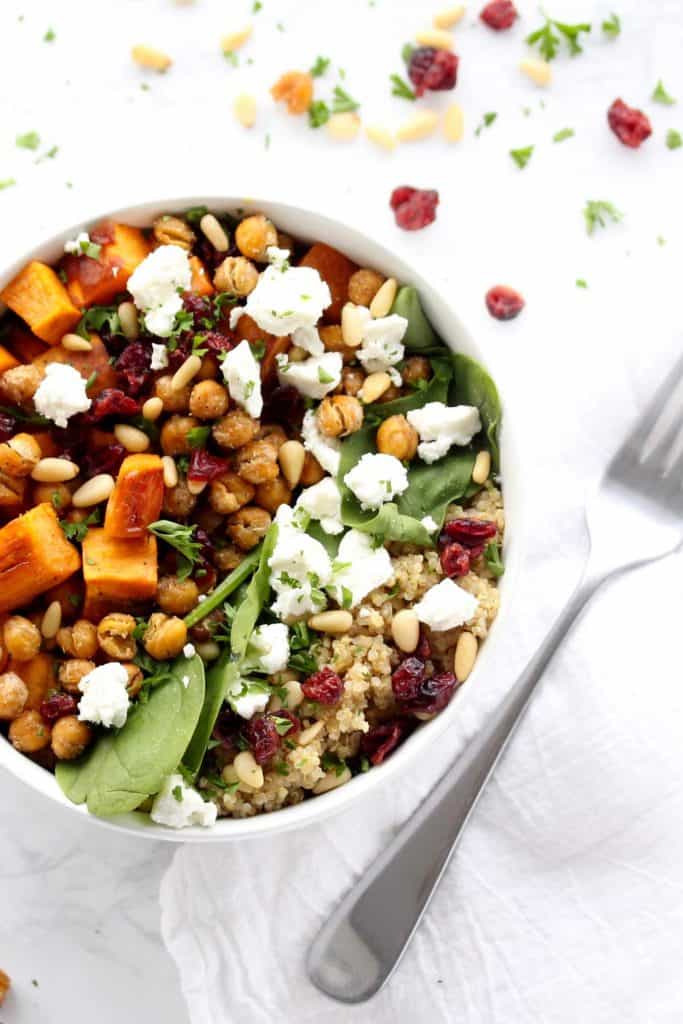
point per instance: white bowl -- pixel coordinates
(310, 226)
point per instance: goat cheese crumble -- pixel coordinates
(381, 347)
(178, 805)
(242, 374)
(248, 697)
(446, 606)
(285, 298)
(61, 394)
(159, 357)
(314, 377)
(441, 426)
(322, 501)
(327, 450)
(157, 284)
(268, 649)
(376, 479)
(300, 569)
(105, 698)
(362, 568)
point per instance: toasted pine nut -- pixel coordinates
(128, 315)
(435, 37)
(170, 471)
(482, 467)
(132, 439)
(374, 386)
(230, 776)
(73, 343)
(381, 136)
(291, 457)
(352, 325)
(331, 781)
(213, 230)
(539, 71)
(148, 57)
(93, 491)
(295, 694)
(248, 770)
(186, 372)
(152, 408)
(453, 123)
(54, 471)
(343, 127)
(405, 629)
(449, 17)
(308, 735)
(244, 109)
(337, 621)
(52, 620)
(234, 40)
(196, 486)
(419, 126)
(465, 655)
(384, 298)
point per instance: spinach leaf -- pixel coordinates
(436, 391)
(256, 596)
(219, 678)
(472, 385)
(124, 767)
(419, 333)
(225, 588)
(433, 487)
(330, 541)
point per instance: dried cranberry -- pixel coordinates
(383, 739)
(499, 14)
(177, 357)
(414, 208)
(205, 629)
(204, 466)
(455, 560)
(406, 679)
(324, 687)
(261, 734)
(429, 68)
(503, 302)
(434, 694)
(424, 648)
(283, 404)
(103, 460)
(134, 366)
(199, 306)
(112, 402)
(8, 426)
(210, 256)
(216, 341)
(630, 126)
(226, 730)
(470, 532)
(57, 706)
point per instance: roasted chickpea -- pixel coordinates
(364, 285)
(391, 393)
(248, 526)
(257, 462)
(21, 638)
(395, 436)
(71, 672)
(115, 636)
(19, 385)
(19, 455)
(274, 434)
(135, 679)
(209, 368)
(176, 597)
(178, 500)
(331, 337)
(29, 733)
(165, 637)
(236, 275)
(352, 380)
(416, 368)
(79, 640)
(13, 695)
(57, 495)
(229, 492)
(228, 558)
(272, 494)
(339, 415)
(208, 519)
(174, 400)
(209, 400)
(313, 472)
(173, 231)
(254, 235)
(174, 435)
(70, 737)
(295, 88)
(235, 429)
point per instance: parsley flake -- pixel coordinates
(320, 67)
(486, 121)
(342, 102)
(596, 211)
(178, 793)
(674, 140)
(198, 436)
(611, 26)
(29, 140)
(549, 43)
(581, 282)
(324, 377)
(318, 114)
(182, 539)
(565, 133)
(400, 88)
(660, 95)
(522, 156)
(7, 183)
(50, 36)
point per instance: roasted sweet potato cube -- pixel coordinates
(118, 573)
(335, 269)
(98, 282)
(87, 363)
(137, 497)
(34, 556)
(201, 282)
(39, 675)
(38, 296)
(23, 345)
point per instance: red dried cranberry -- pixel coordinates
(57, 706)
(215, 341)
(324, 687)
(134, 366)
(414, 208)
(204, 466)
(455, 560)
(630, 126)
(470, 532)
(112, 402)
(294, 723)
(199, 306)
(429, 68)
(283, 404)
(383, 739)
(103, 460)
(177, 357)
(8, 426)
(434, 694)
(499, 14)
(226, 729)
(406, 679)
(261, 734)
(503, 302)
(424, 648)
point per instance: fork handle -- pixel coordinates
(363, 941)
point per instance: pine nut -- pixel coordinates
(72, 343)
(148, 57)
(93, 491)
(132, 439)
(308, 735)
(230, 776)
(152, 408)
(186, 372)
(374, 386)
(384, 298)
(291, 457)
(128, 315)
(343, 127)
(196, 486)
(352, 325)
(170, 471)
(539, 71)
(248, 770)
(331, 781)
(482, 468)
(213, 230)
(54, 471)
(382, 137)
(295, 694)
(337, 621)
(419, 126)
(453, 123)
(465, 655)
(234, 40)
(449, 17)
(435, 37)
(52, 620)
(405, 629)
(244, 109)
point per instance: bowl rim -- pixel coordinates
(310, 225)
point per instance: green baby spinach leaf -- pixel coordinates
(256, 596)
(226, 587)
(419, 333)
(432, 488)
(472, 385)
(219, 679)
(435, 391)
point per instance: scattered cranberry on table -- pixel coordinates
(414, 208)
(503, 302)
(499, 14)
(630, 126)
(432, 70)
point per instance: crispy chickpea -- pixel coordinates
(13, 695)
(257, 462)
(416, 368)
(19, 385)
(313, 472)
(176, 597)
(21, 638)
(272, 494)
(29, 733)
(178, 500)
(170, 230)
(229, 493)
(19, 455)
(79, 640)
(254, 235)
(177, 400)
(395, 436)
(273, 434)
(115, 636)
(235, 429)
(70, 737)
(209, 368)
(248, 526)
(391, 393)
(208, 519)
(331, 337)
(364, 285)
(228, 558)
(57, 495)
(165, 637)
(174, 435)
(339, 415)
(236, 275)
(352, 380)
(295, 88)
(135, 679)
(209, 400)
(71, 672)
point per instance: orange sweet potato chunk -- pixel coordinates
(335, 269)
(39, 675)
(201, 282)
(97, 282)
(34, 556)
(137, 497)
(38, 296)
(118, 573)
(87, 363)
(24, 345)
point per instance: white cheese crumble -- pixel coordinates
(300, 569)
(446, 606)
(314, 377)
(285, 298)
(381, 348)
(327, 450)
(159, 357)
(248, 698)
(429, 524)
(322, 501)
(268, 649)
(61, 394)
(156, 285)
(441, 426)
(308, 339)
(178, 805)
(185, 680)
(362, 568)
(189, 650)
(105, 695)
(376, 479)
(80, 245)
(242, 374)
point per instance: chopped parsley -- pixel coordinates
(182, 539)
(198, 436)
(184, 321)
(78, 531)
(581, 282)
(231, 57)
(91, 380)
(611, 26)
(178, 793)
(50, 154)
(407, 51)
(486, 121)
(324, 377)
(320, 67)
(282, 724)
(318, 114)
(674, 140)
(7, 183)
(29, 140)
(522, 156)
(565, 133)
(342, 102)
(596, 211)
(50, 36)
(281, 768)
(256, 7)
(660, 95)
(258, 349)
(347, 597)
(195, 214)
(400, 88)
(97, 317)
(548, 41)
(493, 559)
(331, 763)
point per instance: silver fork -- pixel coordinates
(635, 517)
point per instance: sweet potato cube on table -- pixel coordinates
(87, 363)
(335, 269)
(34, 556)
(137, 497)
(117, 573)
(97, 282)
(38, 296)
(39, 675)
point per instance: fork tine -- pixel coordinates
(642, 429)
